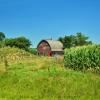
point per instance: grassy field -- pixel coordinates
(43, 78)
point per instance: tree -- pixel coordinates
(32, 51)
(68, 41)
(20, 42)
(81, 39)
(74, 40)
(2, 36)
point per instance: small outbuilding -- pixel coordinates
(50, 48)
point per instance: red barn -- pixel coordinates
(50, 48)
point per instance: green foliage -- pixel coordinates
(81, 39)
(42, 78)
(74, 40)
(22, 83)
(2, 44)
(84, 57)
(20, 42)
(68, 41)
(2, 39)
(32, 50)
(2, 36)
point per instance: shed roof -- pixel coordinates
(55, 45)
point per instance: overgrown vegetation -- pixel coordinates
(52, 84)
(9, 55)
(84, 57)
(43, 78)
(13, 53)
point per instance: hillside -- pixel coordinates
(43, 78)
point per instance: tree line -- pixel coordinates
(19, 42)
(78, 39)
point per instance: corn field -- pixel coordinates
(84, 57)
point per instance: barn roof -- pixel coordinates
(55, 45)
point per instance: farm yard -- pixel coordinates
(49, 50)
(30, 77)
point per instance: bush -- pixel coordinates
(19, 42)
(84, 57)
(32, 51)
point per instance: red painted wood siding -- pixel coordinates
(43, 48)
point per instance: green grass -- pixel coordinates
(20, 82)
(43, 78)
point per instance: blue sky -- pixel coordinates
(43, 19)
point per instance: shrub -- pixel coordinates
(32, 51)
(19, 42)
(84, 57)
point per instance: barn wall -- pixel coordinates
(60, 53)
(43, 48)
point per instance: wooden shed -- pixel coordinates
(50, 48)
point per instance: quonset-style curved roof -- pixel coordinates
(54, 45)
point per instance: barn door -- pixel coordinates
(49, 53)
